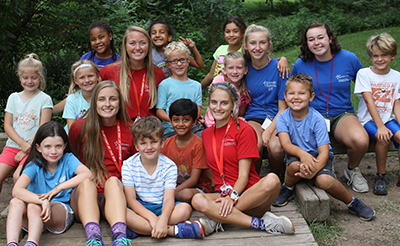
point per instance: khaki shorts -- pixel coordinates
(335, 121)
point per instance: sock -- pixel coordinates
(348, 168)
(348, 205)
(117, 229)
(30, 243)
(289, 188)
(257, 223)
(92, 229)
(12, 244)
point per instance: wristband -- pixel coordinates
(234, 196)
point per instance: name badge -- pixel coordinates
(266, 123)
(328, 124)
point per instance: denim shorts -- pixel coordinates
(392, 125)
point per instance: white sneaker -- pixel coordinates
(277, 224)
(209, 226)
(355, 178)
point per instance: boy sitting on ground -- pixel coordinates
(149, 180)
(187, 151)
(303, 134)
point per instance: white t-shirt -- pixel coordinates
(384, 89)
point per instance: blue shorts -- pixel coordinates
(392, 125)
(154, 208)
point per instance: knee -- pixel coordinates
(270, 183)
(199, 202)
(16, 202)
(293, 168)
(185, 209)
(183, 196)
(275, 148)
(360, 139)
(324, 182)
(86, 186)
(113, 183)
(33, 209)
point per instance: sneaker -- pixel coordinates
(380, 184)
(122, 241)
(95, 241)
(277, 224)
(131, 234)
(284, 196)
(362, 210)
(209, 226)
(190, 230)
(355, 178)
(398, 181)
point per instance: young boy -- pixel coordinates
(177, 86)
(378, 89)
(149, 180)
(187, 151)
(304, 137)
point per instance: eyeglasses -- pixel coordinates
(175, 61)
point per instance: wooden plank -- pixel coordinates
(314, 202)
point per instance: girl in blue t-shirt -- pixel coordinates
(266, 89)
(43, 191)
(84, 77)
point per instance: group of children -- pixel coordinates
(168, 167)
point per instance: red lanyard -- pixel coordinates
(330, 85)
(139, 97)
(119, 163)
(220, 160)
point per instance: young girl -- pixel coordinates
(103, 51)
(42, 193)
(234, 28)
(102, 44)
(266, 89)
(84, 77)
(161, 34)
(230, 147)
(25, 112)
(235, 68)
(136, 74)
(102, 141)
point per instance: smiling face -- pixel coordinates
(381, 61)
(29, 80)
(137, 47)
(52, 149)
(107, 105)
(234, 70)
(297, 97)
(257, 46)
(318, 42)
(100, 41)
(159, 35)
(86, 78)
(182, 124)
(233, 34)
(221, 107)
(179, 68)
(149, 148)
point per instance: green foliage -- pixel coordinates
(325, 232)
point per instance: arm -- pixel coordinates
(266, 135)
(190, 182)
(242, 110)
(209, 77)
(70, 122)
(283, 67)
(160, 230)
(82, 173)
(384, 134)
(13, 135)
(323, 155)
(162, 114)
(59, 107)
(195, 61)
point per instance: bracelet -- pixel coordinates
(226, 192)
(234, 196)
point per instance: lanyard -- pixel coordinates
(119, 163)
(137, 96)
(220, 160)
(330, 85)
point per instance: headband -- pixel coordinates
(84, 65)
(229, 86)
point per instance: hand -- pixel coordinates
(266, 137)
(200, 120)
(159, 230)
(26, 147)
(242, 118)
(226, 206)
(283, 67)
(188, 42)
(46, 211)
(303, 174)
(308, 164)
(153, 221)
(50, 195)
(383, 135)
(19, 156)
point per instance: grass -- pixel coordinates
(326, 233)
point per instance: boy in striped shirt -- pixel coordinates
(149, 180)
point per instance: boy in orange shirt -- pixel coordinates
(187, 151)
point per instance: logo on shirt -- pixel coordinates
(383, 95)
(229, 142)
(342, 78)
(61, 180)
(270, 85)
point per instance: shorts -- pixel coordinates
(99, 200)
(335, 121)
(258, 120)
(392, 125)
(328, 168)
(68, 221)
(8, 156)
(152, 207)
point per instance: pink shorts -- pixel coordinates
(8, 156)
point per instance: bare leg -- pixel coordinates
(35, 223)
(275, 154)
(58, 219)
(84, 202)
(381, 151)
(16, 215)
(333, 187)
(257, 127)
(186, 195)
(17, 173)
(114, 201)
(350, 133)
(5, 170)
(290, 179)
